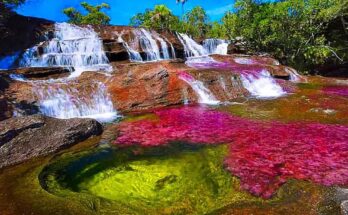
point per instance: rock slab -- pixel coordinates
(22, 138)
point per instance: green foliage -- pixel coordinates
(11, 3)
(300, 33)
(195, 22)
(160, 18)
(6, 7)
(294, 31)
(216, 30)
(94, 14)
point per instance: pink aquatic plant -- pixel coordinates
(336, 90)
(264, 155)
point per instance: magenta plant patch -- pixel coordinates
(264, 155)
(336, 90)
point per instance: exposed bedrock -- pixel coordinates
(138, 86)
(22, 138)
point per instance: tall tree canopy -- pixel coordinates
(94, 14)
(295, 31)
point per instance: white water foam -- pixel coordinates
(191, 47)
(204, 94)
(216, 46)
(72, 46)
(262, 85)
(81, 49)
(63, 101)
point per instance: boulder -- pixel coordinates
(22, 138)
(41, 72)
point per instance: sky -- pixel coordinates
(121, 11)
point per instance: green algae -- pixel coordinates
(173, 178)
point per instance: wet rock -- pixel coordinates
(143, 87)
(27, 137)
(41, 72)
(115, 51)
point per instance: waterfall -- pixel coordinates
(294, 76)
(172, 48)
(164, 46)
(185, 96)
(216, 46)
(134, 56)
(81, 49)
(191, 47)
(148, 45)
(72, 46)
(262, 85)
(237, 84)
(63, 101)
(204, 94)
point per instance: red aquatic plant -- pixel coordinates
(336, 90)
(264, 155)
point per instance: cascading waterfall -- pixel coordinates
(216, 46)
(294, 76)
(191, 47)
(134, 56)
(172, 48)
(148, 45)
(81, 49)
(164, 46)
(62, 101)
(72, 46)
(262, 85)
(204, 94)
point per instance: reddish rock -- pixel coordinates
(140, 86)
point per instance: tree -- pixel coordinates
(6, 6)
(295, 31)
(195, 22)
(160, 18)
(94, 14)
(216, 30)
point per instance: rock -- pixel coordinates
(42, 72)
(5, 109)
(27, 137)
(21, 32)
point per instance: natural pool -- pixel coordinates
(253, 157)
